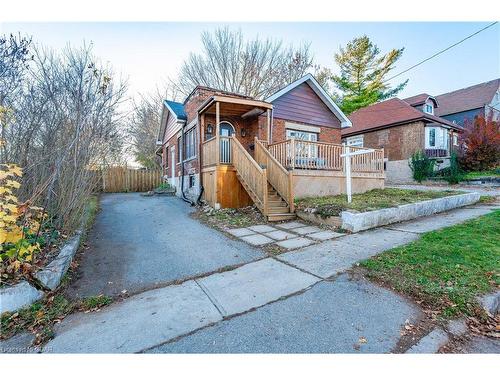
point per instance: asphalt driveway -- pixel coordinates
(141, 242)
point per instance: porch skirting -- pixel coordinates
(222, 189)
(310, 183)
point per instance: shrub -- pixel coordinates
(454, 173)
(421, 166)
(19, 225)
(480, 145)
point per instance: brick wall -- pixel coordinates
(398, 142)
(327, 134)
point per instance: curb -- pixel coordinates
(356, 222)
(23, 294)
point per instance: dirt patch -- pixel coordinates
(229, 218)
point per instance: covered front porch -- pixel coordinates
(239, 166)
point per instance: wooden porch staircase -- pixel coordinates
(276, 204)
(278, 209)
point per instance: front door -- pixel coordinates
(226, 130)
(172, 166)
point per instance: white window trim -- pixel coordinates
(355, 138)
(303, 128)
(441, 138)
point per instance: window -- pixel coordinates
(455, 140)
(190, 143)
(165, 155)
(429, 108)
(192, 180)
(355, 141)
(179, 149)
(303, 150)
(432, 137)
(301, 135)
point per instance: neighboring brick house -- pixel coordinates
(402, 127)
(464, 105)
(197, 137)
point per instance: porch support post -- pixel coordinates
(217, 154)
(269, 135)
(217, 131)
(201, 123)
(202, 128)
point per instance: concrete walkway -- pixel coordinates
(139, 242)
(291, 304)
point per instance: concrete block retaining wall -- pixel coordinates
(356, 222)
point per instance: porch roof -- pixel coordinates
(232, 106)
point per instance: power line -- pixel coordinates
(442, 51)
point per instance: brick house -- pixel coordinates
(464, 105)
(232, 150)
(402, 127)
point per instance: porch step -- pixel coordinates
(281, 217)
(277, 208)
(279, 203)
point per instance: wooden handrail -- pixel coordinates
(251, 173)
(277, 175)
(296, 153)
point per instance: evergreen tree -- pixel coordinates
(363, 71)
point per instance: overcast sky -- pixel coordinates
(148, 53)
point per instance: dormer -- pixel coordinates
(423, 102)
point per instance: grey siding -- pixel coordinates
(466, 116)
(303, 105)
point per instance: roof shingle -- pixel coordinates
(468, 98)
(177, 108)
(389, 113)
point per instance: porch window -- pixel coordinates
(190, 143)
(304, 152)
(301, 135)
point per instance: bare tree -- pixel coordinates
(66, 125)
(256, 68)
(14, 61)
(143, 123)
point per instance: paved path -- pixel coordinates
(288, 304)
(138, 242)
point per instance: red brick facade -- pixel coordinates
(398, 142)
(326, 134)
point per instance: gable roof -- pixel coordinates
(389, 113)
(322, 94)
(420, 99)
(468, 98)
(176, 108)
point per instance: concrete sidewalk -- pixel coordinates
(161, 316)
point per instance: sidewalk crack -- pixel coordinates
(212, 299)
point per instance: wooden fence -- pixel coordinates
(122, 179)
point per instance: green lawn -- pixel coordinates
(445, 269)
(477, 174)
(372, 200)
